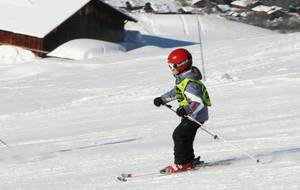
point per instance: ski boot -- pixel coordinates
(175, 168)
(197, 163)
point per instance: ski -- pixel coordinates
(129, 176)
(198, 165)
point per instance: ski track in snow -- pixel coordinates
(78, 125)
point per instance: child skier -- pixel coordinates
(193, 100)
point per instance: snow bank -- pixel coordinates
(86, 49)
(12, 55)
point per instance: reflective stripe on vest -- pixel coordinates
(181, 97)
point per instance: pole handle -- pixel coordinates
(194, 120)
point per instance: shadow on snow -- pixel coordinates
(161, 42)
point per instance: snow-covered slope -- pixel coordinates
(79, 124)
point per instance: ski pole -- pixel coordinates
(216, 136)
(201, 47)
(3, 143)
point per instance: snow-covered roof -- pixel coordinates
(122, 11)
(37, 17)
(241, 3)
(166, 8)
(196, 1)
(266, 9)
(186, 9)
(223, 8)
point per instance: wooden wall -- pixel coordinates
(21, 40)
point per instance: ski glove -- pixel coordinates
(158, 101)
(181, 112)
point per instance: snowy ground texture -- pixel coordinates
(76, 125)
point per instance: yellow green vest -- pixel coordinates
(180, 89)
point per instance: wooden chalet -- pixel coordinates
(199, 3)
(131, 6)
(206, 3)
(150, 8)
(269, 12)
(185, 10)
(43, 25)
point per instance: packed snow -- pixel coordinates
(86, 49)
(79, 124)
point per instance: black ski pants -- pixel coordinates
(183, 137)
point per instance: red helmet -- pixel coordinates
(180, 60)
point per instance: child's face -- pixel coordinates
(174, 72)
(173, 69)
